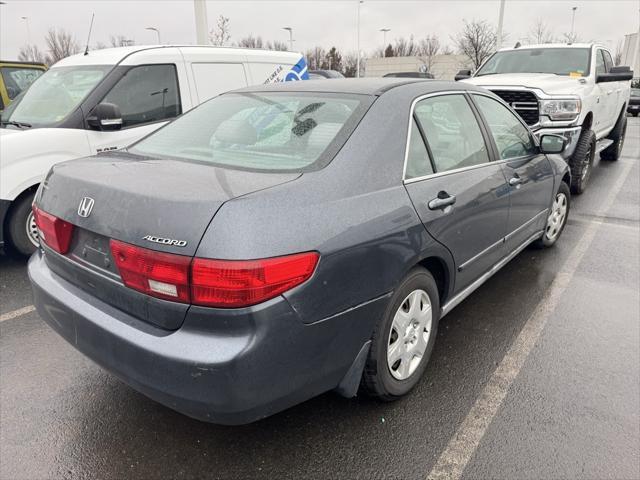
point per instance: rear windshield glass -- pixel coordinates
(260, 131)
(558, 61)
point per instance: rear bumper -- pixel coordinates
(222, 366)
(572, 134)
(4, 208)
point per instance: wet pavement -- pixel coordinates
(572, 411)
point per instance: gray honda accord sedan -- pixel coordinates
(282, 241)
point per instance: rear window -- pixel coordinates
(260, 131)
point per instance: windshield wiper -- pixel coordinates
(16, 124)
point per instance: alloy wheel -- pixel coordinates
(32, 230)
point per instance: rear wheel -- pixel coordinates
(613, 151)
(23, 234)
(557, 218)
(404, 337)
(581, 162)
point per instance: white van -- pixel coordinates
(106, 100)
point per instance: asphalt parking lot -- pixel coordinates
(536, 375)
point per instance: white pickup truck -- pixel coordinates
(572, 90)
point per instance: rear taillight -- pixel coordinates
(53, 231)
(158, 274)
(207, 282)
(225, 283)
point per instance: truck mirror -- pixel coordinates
(105, 117)
(462, 74)
(616, 74)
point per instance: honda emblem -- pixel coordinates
(84, 209)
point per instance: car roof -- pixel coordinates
(551, 45)
(362, 86)
(113, 56)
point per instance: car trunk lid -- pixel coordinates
(163, 205)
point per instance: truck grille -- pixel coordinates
(523, 102)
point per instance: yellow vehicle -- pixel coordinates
(15, 77)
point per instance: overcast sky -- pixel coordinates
(315, 22)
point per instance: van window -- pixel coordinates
(259, 131)
(212, 79)
(148, 93)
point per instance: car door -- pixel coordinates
(460, 195)
(604, 91)
(147, 96)
(613, 100)
(528, 172)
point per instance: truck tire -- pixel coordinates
(410, 322)
(581, 162)
(22, 235)
(613, 151)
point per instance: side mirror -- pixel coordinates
(552, 143)
(462, 74)
(617, 74)
(105, 117)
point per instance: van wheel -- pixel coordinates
(613, 151)
(403, 338)
(23, 235)
(557, 218)
(581, 162)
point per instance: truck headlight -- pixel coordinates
(567, 109)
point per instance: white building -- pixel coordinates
(631, 53)
(444, 67)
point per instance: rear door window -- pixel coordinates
(418, 162)
(148, 93)
(512, 138)
(452, 132)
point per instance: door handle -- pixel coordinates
(442, 201)
(515, 181)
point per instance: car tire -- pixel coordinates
(613, 151)
(20, 223)
(581, 162)
(557, 218)
(410, 322)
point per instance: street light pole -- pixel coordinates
(573, 20)
(290, 30)
(384, 39)
(202, 25)
(26, 19)
(500, 23)
(358, 40)
(157, 33)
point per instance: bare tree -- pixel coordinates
(447, 50)
(315, 57)
(350, 64)
(570, 37)
(278, 45)
(541, 33)
(333, 60)
(617, 58)
(221, 33)
(429, 47)
(476, 41)
(31, 53)
(120, 41)
(60, 44)
(251, 42)
(403, 47)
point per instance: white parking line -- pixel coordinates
(455, 457)
(17, 313)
